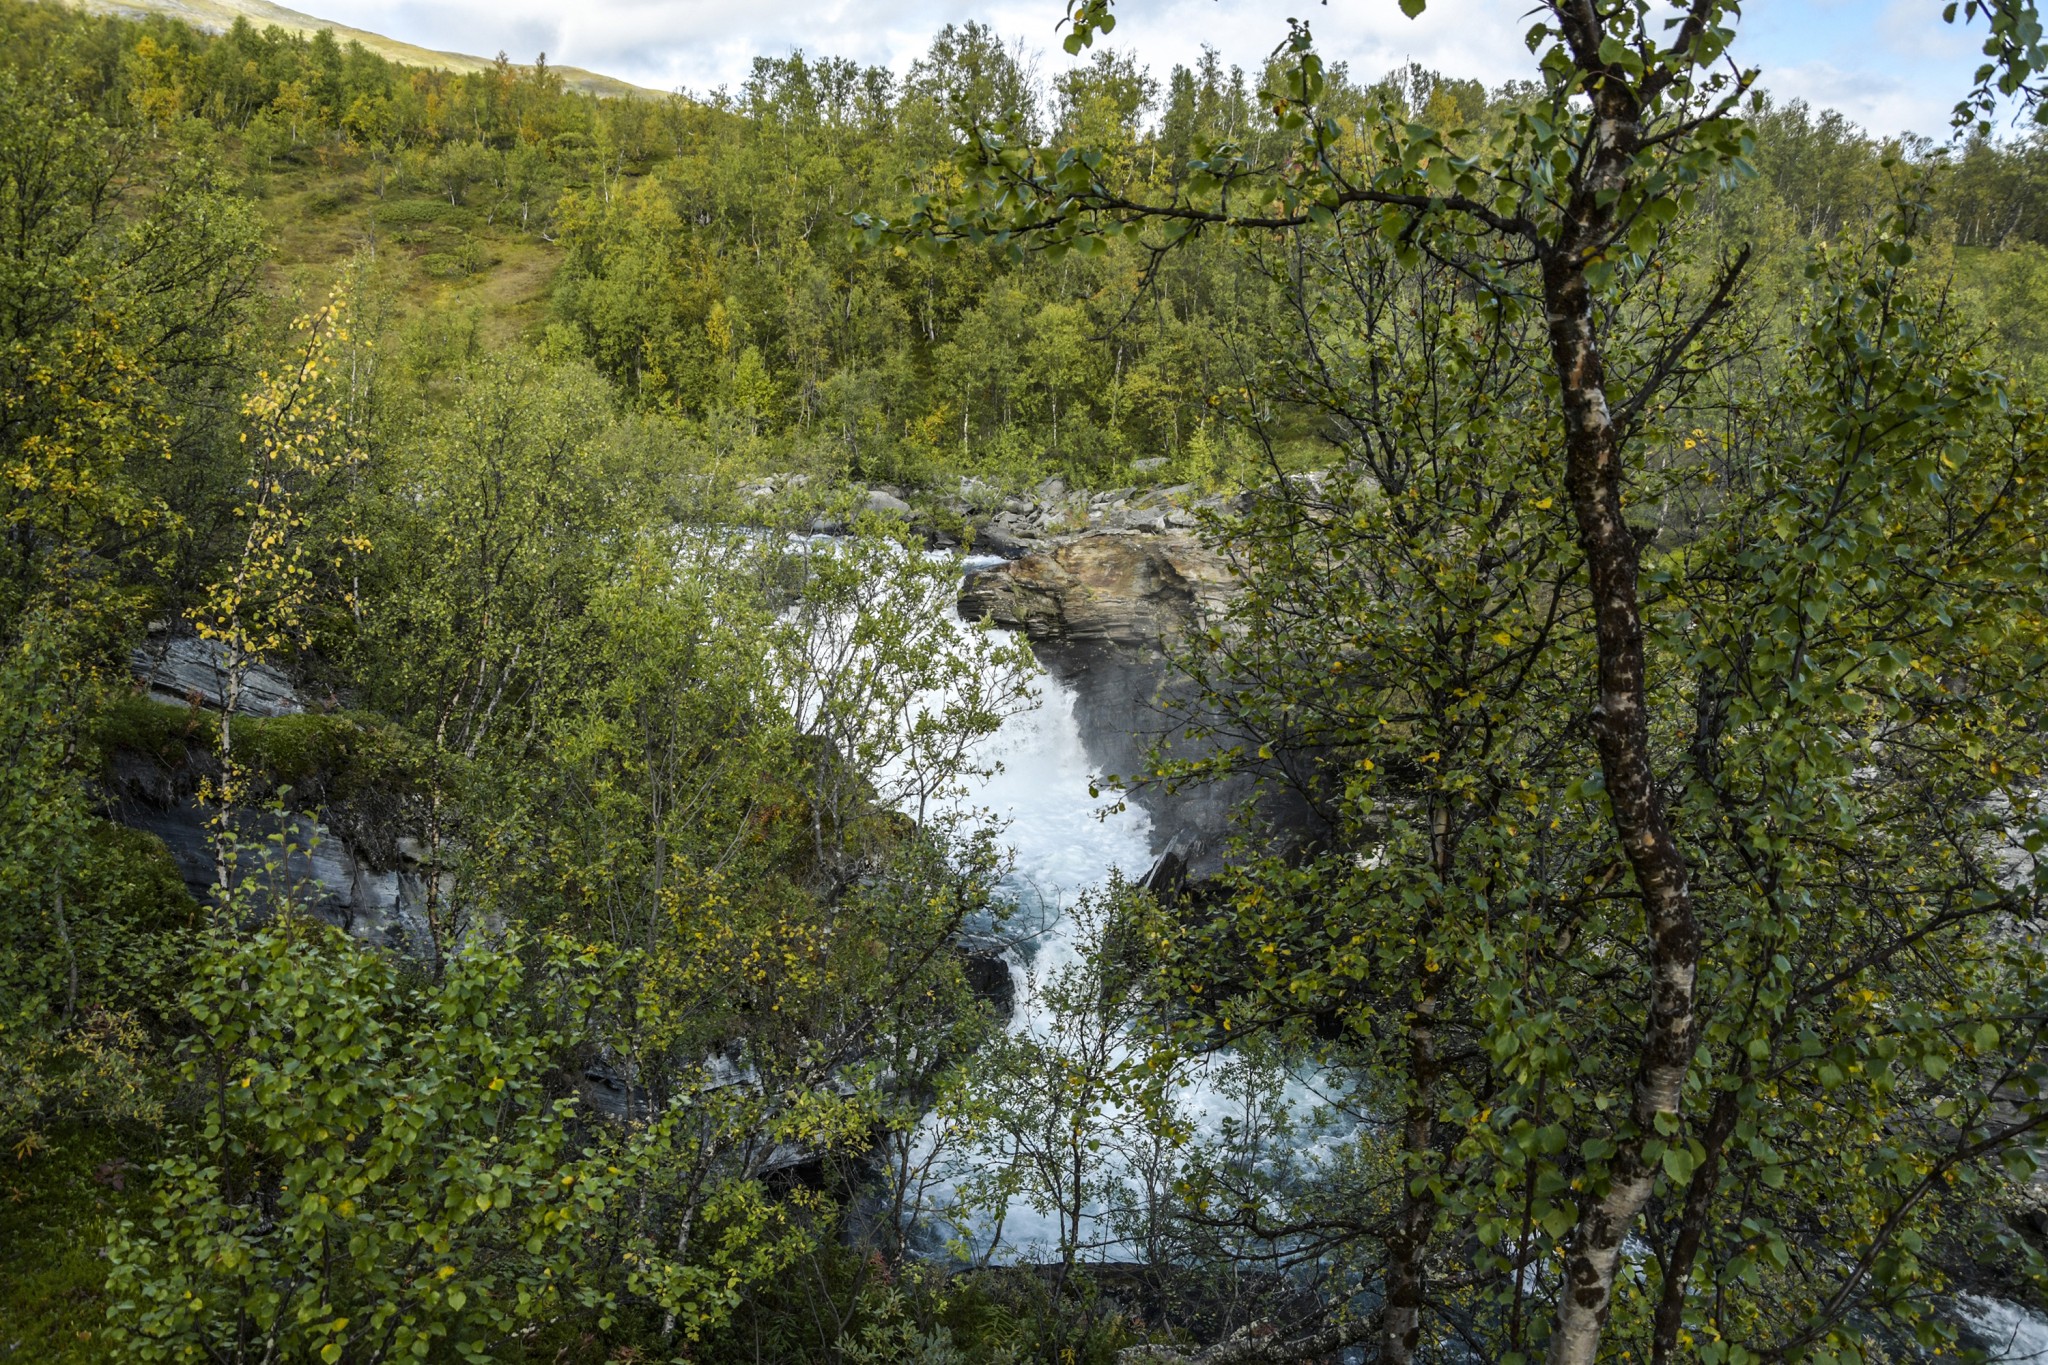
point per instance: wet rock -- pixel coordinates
(1169, 871)
(990, 978)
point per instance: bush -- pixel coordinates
(380, 1171)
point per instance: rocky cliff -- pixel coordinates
(338, 863)
(1105, 611)
(1120, 590)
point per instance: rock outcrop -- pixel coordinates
(184, 669)
(299, 860)
(1110, 589)
(1104, 611)
(1018, 524)
(995, 521)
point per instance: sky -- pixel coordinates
(1891, 65)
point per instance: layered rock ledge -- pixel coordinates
(1106, 612)
(1113, 589)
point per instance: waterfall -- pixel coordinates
(1064, 840)
(2010, 1334)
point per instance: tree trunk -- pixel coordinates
(70, 952)
(1408, 1248)
(1594, 475)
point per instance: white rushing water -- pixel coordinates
(1065, 840)
(2010, 1333)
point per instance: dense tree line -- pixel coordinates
(705, 264)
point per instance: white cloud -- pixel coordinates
(700, 44)
(1881, 104)
(1889, 64)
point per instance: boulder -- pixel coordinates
(886, 503)
(996, 540)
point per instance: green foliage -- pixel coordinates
(1060, 1119)
(1852, 808)
(378, 1169)
(124, 290)
(710, 778)
(90, 947)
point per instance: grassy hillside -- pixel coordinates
(215, 16)
(460, 264)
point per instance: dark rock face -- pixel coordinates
(994, 540)
(1104, 611)
(291, 859)
(990, 978)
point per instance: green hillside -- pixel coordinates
(216, 16)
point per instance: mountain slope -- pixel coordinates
(217, 15)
